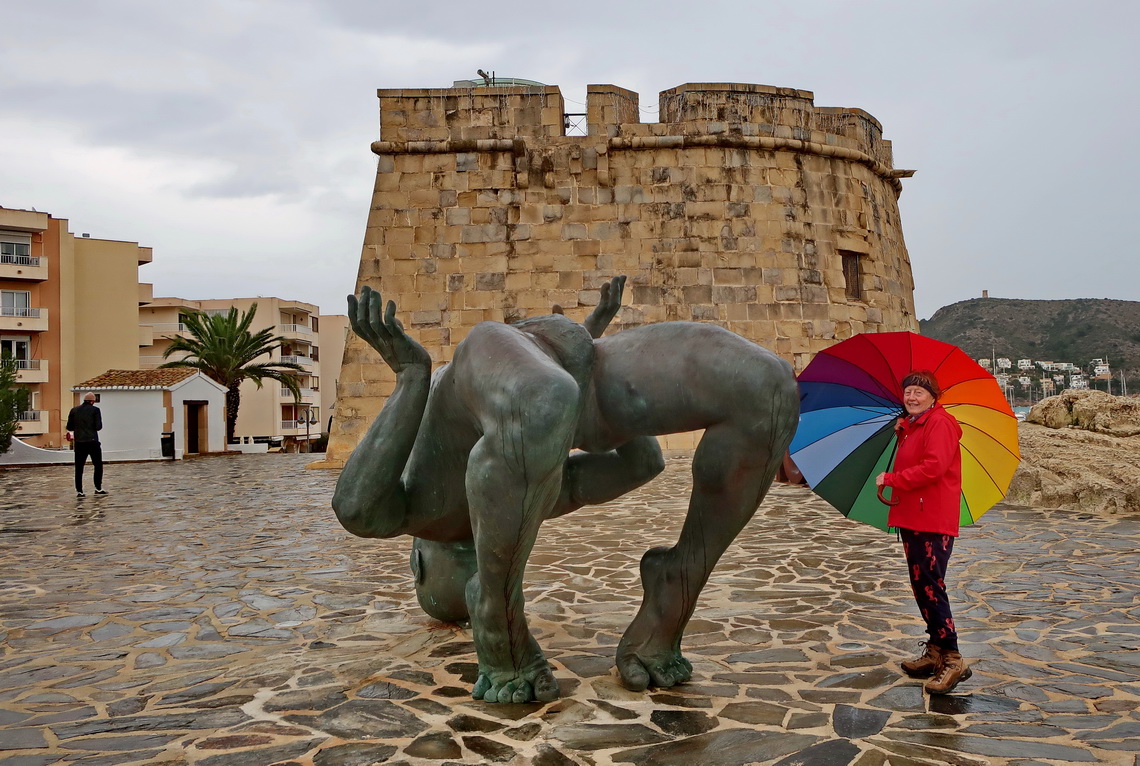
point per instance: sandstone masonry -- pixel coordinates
(746, 205)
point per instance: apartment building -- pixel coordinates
(268, 414)
(69, 310)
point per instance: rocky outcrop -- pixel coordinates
(1080, 451)
(1089, 410)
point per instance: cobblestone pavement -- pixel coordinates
(213, 612)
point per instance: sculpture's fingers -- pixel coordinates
(352, 309)
(391, 324)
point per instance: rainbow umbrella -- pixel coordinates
(851, 398)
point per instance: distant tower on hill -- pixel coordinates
(746, 205)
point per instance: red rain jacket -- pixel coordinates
(927, 480)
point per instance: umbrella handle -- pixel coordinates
(892, 500)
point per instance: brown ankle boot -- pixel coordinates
(924, 666)
(950, 673)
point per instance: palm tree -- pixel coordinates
(222, 347)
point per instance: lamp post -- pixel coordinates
(309, 418)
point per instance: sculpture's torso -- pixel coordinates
(657, 379)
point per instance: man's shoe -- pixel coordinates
(952, 672)
(100, 492)
(80, 493)
(924, 666)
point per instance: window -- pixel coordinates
(852, 274)
(316, 325)
(15, 252)
(17, 348)
(16, 303)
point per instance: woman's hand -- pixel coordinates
(880, 480)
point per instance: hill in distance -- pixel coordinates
(1076, 331)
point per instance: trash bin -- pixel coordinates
(168, 444)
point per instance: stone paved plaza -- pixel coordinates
(213, 612)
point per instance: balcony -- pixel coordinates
(306, 393)
(31, 371)
(30, 267)
(146, 293)
(302, 331)
(168, 329)
(146, 335)
(301, 360)
(23, 319)
(32, 423)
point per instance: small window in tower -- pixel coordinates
(852, 274)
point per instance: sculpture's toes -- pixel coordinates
(518, 690)
(634, 675)
(637, 673)
(675, 671)
(546, 686)
(543, 688)
(482, 686)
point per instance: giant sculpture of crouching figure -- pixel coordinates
(472, 460)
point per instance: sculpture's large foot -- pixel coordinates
(650, 650)
(640, 668)
(537, 683)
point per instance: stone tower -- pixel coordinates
(746, 205)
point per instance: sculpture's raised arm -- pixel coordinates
(370, 500)
(607, 307)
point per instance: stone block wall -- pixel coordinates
(739, 208)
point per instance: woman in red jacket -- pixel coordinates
(927, 486)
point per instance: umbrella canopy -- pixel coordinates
(851, 398)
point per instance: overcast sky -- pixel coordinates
(233, 136)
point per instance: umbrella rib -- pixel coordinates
(949, 352)
(863, 370)
(986, 470)
(969, 511)
(993, 439)
(886, 361)
(829, 434)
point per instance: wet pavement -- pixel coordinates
(213, 612)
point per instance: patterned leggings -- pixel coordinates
(927, 554)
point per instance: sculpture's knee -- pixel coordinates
(644, 458)
(441, 572)
(542, 415)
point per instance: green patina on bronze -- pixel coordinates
(534, 420)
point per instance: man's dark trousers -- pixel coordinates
(82, 451)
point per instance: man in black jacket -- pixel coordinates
(83, 426)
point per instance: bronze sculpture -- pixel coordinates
(471, 460)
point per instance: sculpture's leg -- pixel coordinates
(592, 478)
(732, 471)
(513, 478)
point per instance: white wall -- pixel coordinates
(133, 422)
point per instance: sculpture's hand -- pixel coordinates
(384, 332)
(607, 307)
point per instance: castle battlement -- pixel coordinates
(692, 109)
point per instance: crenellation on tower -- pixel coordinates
(746, 205)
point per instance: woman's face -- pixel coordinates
(917, 400)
